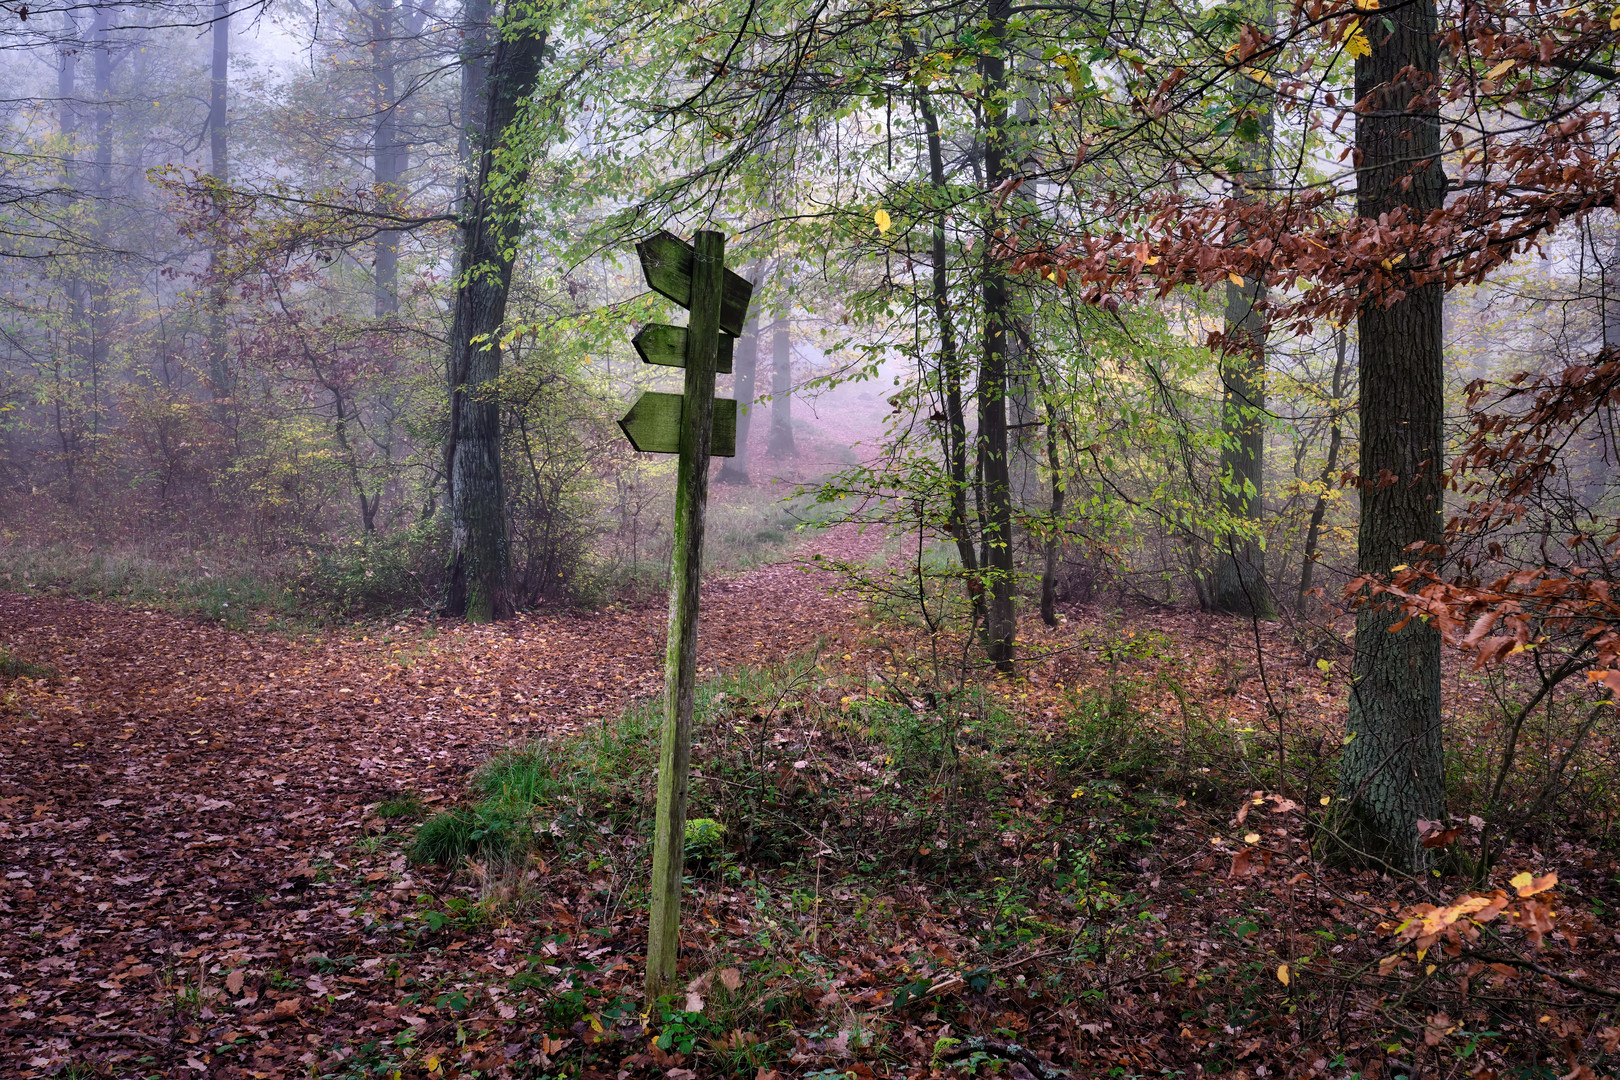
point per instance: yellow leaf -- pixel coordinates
(1324, 800)
(1397, 569)
(1501, 69)
(884, 223)
(1529, 885)
(1366, 5)
(1282, 974)
(1252, 838)
(1234, 278)
(432, 1064)
(1614, 20)
(1357, 45)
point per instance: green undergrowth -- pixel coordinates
(13, 666)
(830, 809)
(791, 767)
(883, 869)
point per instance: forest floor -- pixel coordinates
(206, 838)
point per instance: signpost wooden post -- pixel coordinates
(694, 425)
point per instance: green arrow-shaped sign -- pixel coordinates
(653, 425)
(660, 343)
(667, 262)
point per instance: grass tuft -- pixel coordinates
(13, 666)
(407, 805)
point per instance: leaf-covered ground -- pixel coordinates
(199, 881)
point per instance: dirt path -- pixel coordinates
(184, 803)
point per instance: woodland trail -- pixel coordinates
(173, 801)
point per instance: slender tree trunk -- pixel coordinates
(1239, 584)
(388, 152)
(100, 316)
(1391, 776)
(75, 342)
(67, 105)
(219, 170)
(1054, 524)
(744, 373)
(1001, 622)
(480, 556)
(781, 444)
(953, 431)
(1330, 469)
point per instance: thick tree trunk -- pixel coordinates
(1391, 775)
(744, 373)
(480, 556)
(781, 444)
(219, 171)
(1001, 622)
(388, 153)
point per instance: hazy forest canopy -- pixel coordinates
(1159, 616)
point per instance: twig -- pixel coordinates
(1568, 980)
(141, 1036)
(1007, 1051)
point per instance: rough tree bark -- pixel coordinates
(480, 556)
(1390, 776)
(997, 549)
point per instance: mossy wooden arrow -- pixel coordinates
(653, 425)
(667, 262)
(660, 343)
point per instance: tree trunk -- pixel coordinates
(1001, 622)
(475, 47)
(75, 344)
(219, 170)
(99, 286)
(1391, 771)
(781, 444)
(480, 557)
(1239, 584)
(953, 431)
(1054, 525)
(1330, 469)
(744, 373)
(388, 153)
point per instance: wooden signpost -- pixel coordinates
(695, 426)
